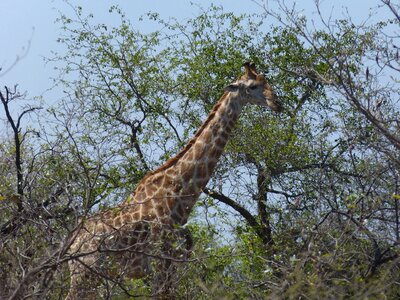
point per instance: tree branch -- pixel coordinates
(251, 220)
(5, 100)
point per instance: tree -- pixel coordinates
(302, 205)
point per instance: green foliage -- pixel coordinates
(322, 178)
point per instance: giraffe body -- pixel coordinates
(125, 241)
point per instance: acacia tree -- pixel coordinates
(303, 204)
(358, 192)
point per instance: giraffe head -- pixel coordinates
(253, 88)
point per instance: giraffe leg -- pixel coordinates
(162, 284)
(83, 285)
(73, 288)
(176, 245)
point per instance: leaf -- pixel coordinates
(2, 198)
(397, 197)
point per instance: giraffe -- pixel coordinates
(145, 233)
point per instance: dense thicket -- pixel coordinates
(303, 205)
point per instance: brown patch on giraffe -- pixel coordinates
(220, 142)
(198, 149)
(139, 189)
(140, 197)
(170, 172)
(136, 216)
(151, 190)
(215, 151)
(206, 137)
(159, 209)
(102, 227)
(215, 131)
(147, 215)
(186, 176)
(190, 191)
(231, 124)
(157, 179)
(225, 135)
(184, 166)
(189, 156)
(201, 171)
(170, 203)
(117, 222)
(169, 180)
(127, 218)
(106, 214)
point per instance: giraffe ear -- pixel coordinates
(234, 87)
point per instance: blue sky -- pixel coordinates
(32, 23)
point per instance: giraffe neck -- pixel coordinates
(197, 164)
(179, 181)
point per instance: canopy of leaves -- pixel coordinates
(302, 204)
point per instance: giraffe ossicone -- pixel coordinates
(144, 234)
